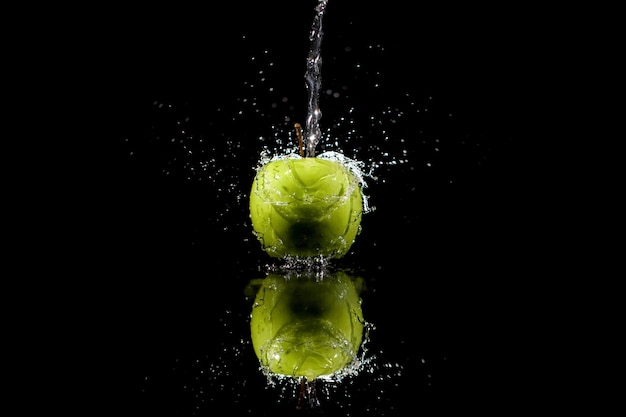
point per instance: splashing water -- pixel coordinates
(313, 79)
(355, 166)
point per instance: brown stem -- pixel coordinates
(300, 139)
(301, 393)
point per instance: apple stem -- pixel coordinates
(301, 393)
(307, 389)
(300, 138)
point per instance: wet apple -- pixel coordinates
(306, 207)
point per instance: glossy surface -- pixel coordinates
(305, 207)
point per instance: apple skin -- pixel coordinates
(306, 207)
(302, 326)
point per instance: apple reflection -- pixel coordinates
(306, 324)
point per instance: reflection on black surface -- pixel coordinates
(304, 324)
(307, 325)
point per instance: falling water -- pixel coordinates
(313, 80)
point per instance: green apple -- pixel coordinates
(306, 207)
(302, 326)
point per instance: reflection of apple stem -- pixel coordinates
(300, 139)
(301, 393)
(304, 384)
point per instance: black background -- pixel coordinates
(451, 269)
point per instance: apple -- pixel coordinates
(303, 326)
(306, 206)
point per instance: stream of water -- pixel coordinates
(313, 77)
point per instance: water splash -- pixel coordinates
(313, 79)
(355, 166)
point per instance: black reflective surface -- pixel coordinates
(439, 100)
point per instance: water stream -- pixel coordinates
(313, 77)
